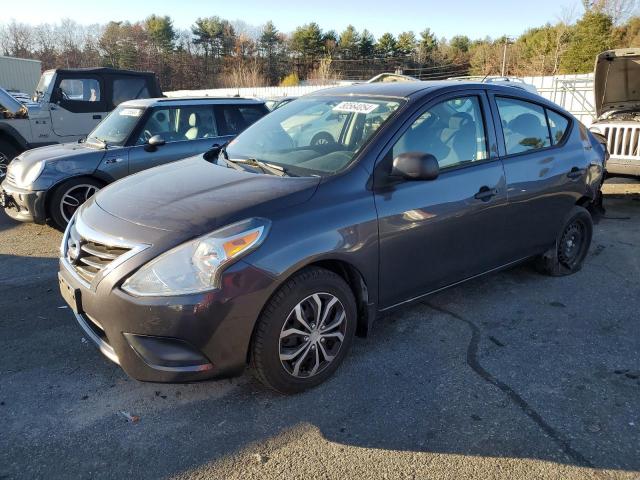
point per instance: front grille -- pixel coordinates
(623, 142)
(89, 257)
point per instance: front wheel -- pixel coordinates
(7, 153)
(68, 197)
(304, 332)
(572, 245)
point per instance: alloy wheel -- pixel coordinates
(312, 335)
(74, 197)
(4, 161)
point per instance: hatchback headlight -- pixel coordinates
(24, 177)
(196, 266)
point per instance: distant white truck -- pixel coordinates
(66, 106)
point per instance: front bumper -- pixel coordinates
(23, 205)
(171, 339)
(621, 166)
(161, 339)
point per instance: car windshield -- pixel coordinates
(313, 136)
(43, 85)
(116, 128)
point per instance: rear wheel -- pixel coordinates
(572, 245)
(68, 196)
(7, 153)
(304, 332)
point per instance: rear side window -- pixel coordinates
(232, 119)
(558, 126)
(524, 125)
(128, 89)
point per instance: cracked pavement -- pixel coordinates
(513, 375)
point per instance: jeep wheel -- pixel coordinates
(7, 153)
(68, 196)
(572, 245)
(304, 332)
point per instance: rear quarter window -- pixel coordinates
(558, 125)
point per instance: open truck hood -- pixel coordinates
(617, 80)
(9, 103)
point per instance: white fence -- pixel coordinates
(573, 92)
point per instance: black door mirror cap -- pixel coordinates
(415, 166)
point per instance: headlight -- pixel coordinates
(23, 178)
(196, 266)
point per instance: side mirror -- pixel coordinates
(213, 152)
(156, 141)
(415, 166)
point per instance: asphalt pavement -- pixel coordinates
(513, 375)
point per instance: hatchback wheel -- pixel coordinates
(68, 197)
(304, 332)
(572, 245)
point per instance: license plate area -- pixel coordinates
(71, 295)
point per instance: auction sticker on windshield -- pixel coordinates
(355, 107)
(130, 112)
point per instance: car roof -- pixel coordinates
(415, 89)
(103, 70)
(178, 101)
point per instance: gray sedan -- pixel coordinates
(52, 182)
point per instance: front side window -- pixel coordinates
(175, 124)
(524, 125)
(316, 135)
(129, 89)
(80, 89)
(452, 131)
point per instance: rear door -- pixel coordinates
(544, 171)
(438, 232)
(78, 104)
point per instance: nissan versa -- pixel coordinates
(275, 254)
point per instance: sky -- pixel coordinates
(474, 18)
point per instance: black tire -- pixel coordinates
(7, 153)
(571, 247)
(268, 344)
(80, 188)
(322, 138)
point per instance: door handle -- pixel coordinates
(574, 173)
(485, 193)
(113, 160)
(97, 117)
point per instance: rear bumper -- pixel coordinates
(22, 205)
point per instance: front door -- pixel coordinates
(438, 232)
(77, 105)
(187, 131)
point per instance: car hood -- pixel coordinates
(9, 102)
(617, 80)
(60, 151)
(195, 196)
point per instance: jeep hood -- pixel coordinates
(10, 104)
(195, 196)
(617, 80)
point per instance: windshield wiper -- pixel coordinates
(264, 166)
(102, 142)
